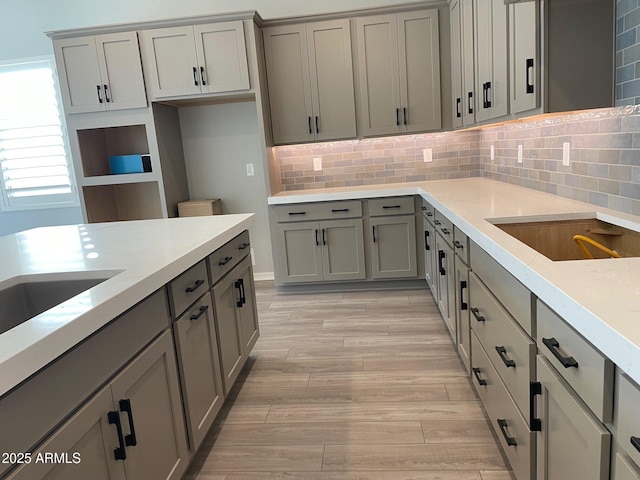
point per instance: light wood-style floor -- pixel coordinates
(351, 386)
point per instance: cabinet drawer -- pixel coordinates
(187, 288)
(511, 351)
(627, 420)
(515, 297)
(461, 244)
(444, 226)
(501, 408)
(428, 210)
(625, 469)
(318, 211)
(390, 206)
(588, 372)
(228, 256)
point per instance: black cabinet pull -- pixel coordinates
(437, 222)
(129, 440)
(484, 95)
(404, 114)
(457, 244)
(317, 243)
(297, 213)
(502, 352)
(224, 261)
(106, 93)
(317, 129)
(243, 297)
(470, 103)
(476, 313)
(535, 388)
(429, 214)
(397, 117)
(488, 94)
(195, 76)
(324, 240)
(424, 209)
(310, 131)
(114, 419)
(529, 69)
(552, 344)
(481, 381)
(635, 441)
(441, 256)
(426, 240)
(458, 102)
(99, 96)
(243, 246)
(374, 234)
(201, 311)
(511, 442)
(240, 286)
(390, 206)
(202, 76)
(463, 286)
(196, 284)
(338, 210)
(445, 231)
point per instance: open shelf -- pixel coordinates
(98, 144)
(126, 201)
(119, 179)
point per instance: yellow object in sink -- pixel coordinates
(581, 240)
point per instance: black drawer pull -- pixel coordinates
(129, 440)
(463, 286)
(196, 316)
(226, 260)
(552, 344)
(635, 441)
(338, 210)
(502, 351)
(391, 206)
(426, 240)
(243, 246)
(194, 287)
(441, 256)
(297, 213)
(436, 222)
(476, 313)
(424, 208)
(119, 453)
(511, 442)
(481, 381)
(429, 214)
(445, 231)
(457, 244)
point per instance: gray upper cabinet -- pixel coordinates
(399, 73)
(524, 62)
(310, 81)
(192, 60)
(101, 72)
(455, 17)
(462, 62)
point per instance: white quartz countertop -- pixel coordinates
(598, 298)
(138, 256)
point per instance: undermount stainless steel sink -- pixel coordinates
(35, 294)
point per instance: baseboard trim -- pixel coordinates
(358, 286)
(263, 276)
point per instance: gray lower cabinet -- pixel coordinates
(317, 251)
(572, 442)
(445, 273)
(393, 246)
(198, 360)
(133, 428)
(236, 319)
(429, 251)
(463, 328)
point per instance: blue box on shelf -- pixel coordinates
(138, 163)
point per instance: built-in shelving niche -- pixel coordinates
(126, 201)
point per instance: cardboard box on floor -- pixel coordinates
(197, 208)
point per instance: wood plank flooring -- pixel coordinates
(353, 386)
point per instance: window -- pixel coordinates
(33, 151)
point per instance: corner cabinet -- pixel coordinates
(399, 73)
(101, 72)
(310, 79)
(194, 60)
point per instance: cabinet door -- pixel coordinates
(158, 448)
(463, 329)
(446, 294)
(247, 312)
(331, 75)
(222, 56)
(199, 363)
(523, 48)
(378, 75)
(393, 247)
(572, 442)
(226, 295)
(288, 79)
(299, 255)
(172, 67)
(430, 255)
(456, 62)
(87, 434)
(419, 67)
(491, 59)
(121, 71)
(343, 250)
(467, 41)
(80, 82)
